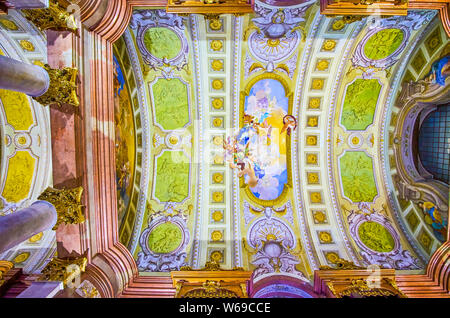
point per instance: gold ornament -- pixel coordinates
(173, 140)
(36, 238)
(67, 203)
(217, 122)
(311, 159)
(338, 25)
(217, 84)
(55, 17)
(342, 264)
(314, 103)
(325, 237)
(63, 270)
(317, 84)
(316, 197)
(27, 45)
(217, 216)
(22, 140)
(347, 19)
(210, 289)
(22, 257)
(89, 292)
(360, 287)
(273, 42)
(218, 160)
(39, 63)
(217, 196)
(332, 257)
(216, 236)
(322, 65)
(5, 267)
(62, 88)
(217, 103)
(311, 140)
(313, 121)
(216, 45)
(8, 24)
(319, 217)
(313, 177)
(215, 24)
(218, 177)
(218, 140)
(329, 45)
(217, 65)
(216, 257)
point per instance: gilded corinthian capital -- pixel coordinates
(67, 203)
(64, 270)
(62, 88)
(56, 17)
(5, 266)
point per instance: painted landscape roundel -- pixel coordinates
(162, 43)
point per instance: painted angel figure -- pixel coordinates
(434, 218)
(239, 157)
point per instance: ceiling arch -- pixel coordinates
(332, 69)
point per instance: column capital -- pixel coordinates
(56, 17)
(64, 270)
(62, 88)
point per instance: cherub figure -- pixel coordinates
(290, 123)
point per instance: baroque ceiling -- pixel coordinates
(307, 102)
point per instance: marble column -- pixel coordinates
(42, 289)
(23, 224)
(21, 77)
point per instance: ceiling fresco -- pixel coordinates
(263, 141)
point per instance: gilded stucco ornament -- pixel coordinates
(64, 270)
(361, 288)
(63, 87)
(164, 241)
(5, 266)
(56, 17)
(210, 266)
(160, 38)
(210, 289)
(67, 203)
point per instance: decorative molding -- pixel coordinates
(397, 258)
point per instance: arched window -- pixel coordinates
(434, 143)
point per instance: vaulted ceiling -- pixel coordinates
(329, 191)
(325, 187)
